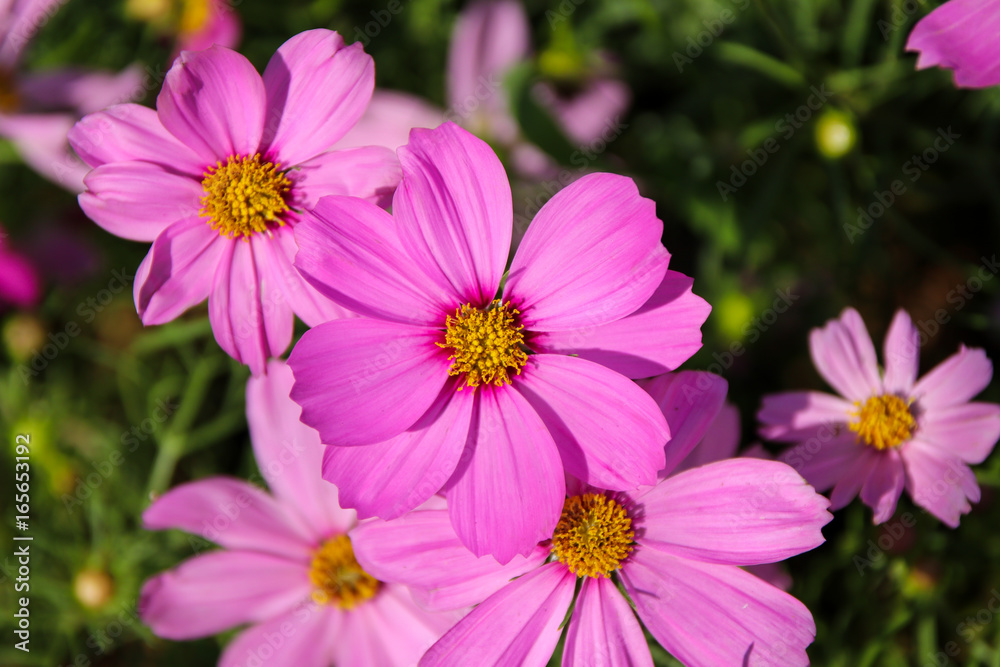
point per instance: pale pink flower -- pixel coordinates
(888, 430)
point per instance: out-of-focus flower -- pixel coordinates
(532, 382)
(93, 588)
(20, 285)
(961, 35)
(287, 566)
(196, 24)
(835, 134)
(37, 109)
(891, 430)
(219, 187)
(675, 547)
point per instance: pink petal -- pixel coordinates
(739, 512)
(138, 200)
(825, 457)
(388, 120)
(657, 338)
(278, 272)
(884, 485)
(302, 637)
(488, 39)
(453, 211)
(610, 436)
(519, 625)
(960, 35)
(349, 251)
(370, 173)
(721, 440)
(941, 484)
(21, 21)
(591, 256)
(591, 114)
(251, 325)
(968, 430)
(20, 285)
(216, 591)
(603, 630)
(856, 474)
(507, 496)
(317, 89)
(362, 381)
(131, 132)
(786, 416)
(422, 551)
(289, 453)
(843, 354)
(955, 380)
(233, 514)
(690, 401)
(391, 630)
(177, 272)
(388, 479)
(901, 354)
(222, 27)
(213, 102)
(709, 615)
(40, 140)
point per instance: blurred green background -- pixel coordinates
(123, 412)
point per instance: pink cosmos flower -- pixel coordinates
(674, 547)
(217, 178)
(287, 566)
(205, 23)
(37, 109)
(961, 35)
(484, 387)
(20, 285)
(890, 430)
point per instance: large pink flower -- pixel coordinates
(890, 430)
(37, 109)
(674, 547)
(287, 567)
(217, 178)
(961, 35)
(482, 387)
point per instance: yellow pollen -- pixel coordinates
(485, 344)
(337, 576)
(244, 196)
(883, 422)
(593, 536)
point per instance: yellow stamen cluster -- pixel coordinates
(337, 576)
(244, 196)
(593, 536)
(883, 422)
(486, 345)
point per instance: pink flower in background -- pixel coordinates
(37, 109)
(961, 35)
(389, 118)
(205, 23)
(287, 567)
(717, 425)
(675, 548)
(20, 285)
(888, 431)
(452, 383)
(217, 178)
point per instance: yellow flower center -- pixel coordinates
(486, 345)
(194, 16)
(883, 422)
(593, 536)
(337, 576)
(244, 195)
